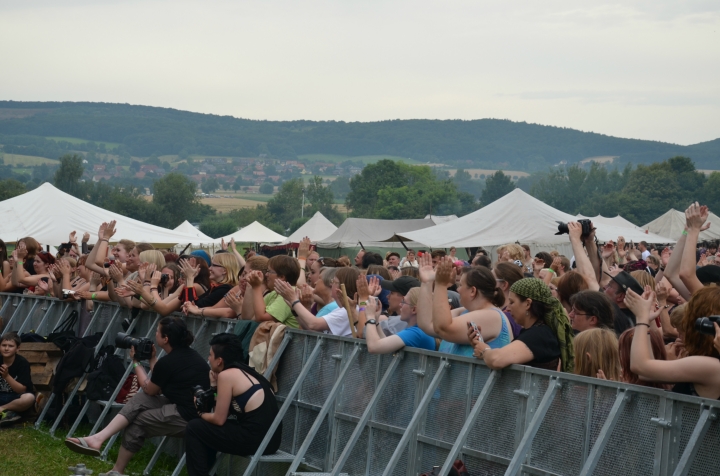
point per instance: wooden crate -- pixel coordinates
(43, 358)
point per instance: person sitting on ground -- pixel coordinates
(480, 299)
(596, 354)
(16, 387)
(409, 260)
(335, 322)
(377, 342)
(272, 307)
(698, 373)
(546, 340)
(245, 408)
(165, 405)
(590, 310)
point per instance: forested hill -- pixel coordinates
(485, 143)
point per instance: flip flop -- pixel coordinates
(111, 473)
(81, 447)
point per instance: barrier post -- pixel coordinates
(620, 400)
(707, 416)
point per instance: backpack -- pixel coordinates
(63, 335)
(75, 361)
(106, 371)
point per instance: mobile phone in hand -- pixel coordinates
(475, 328)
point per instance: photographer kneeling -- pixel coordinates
(244, 410)
(165, 405)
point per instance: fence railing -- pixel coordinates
(345, 411)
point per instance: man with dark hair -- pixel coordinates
(564, 265)
(546, 257)
(482, 260)
(616, 289)
(359, 258)
(393, 259)
(643, 247)
(370, 258)
(591, 309)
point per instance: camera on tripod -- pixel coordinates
(143, 346)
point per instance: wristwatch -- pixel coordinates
(372, 321)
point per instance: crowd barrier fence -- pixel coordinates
(345, 411)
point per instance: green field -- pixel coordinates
(28, 160)
(366, 159)
(74, 140)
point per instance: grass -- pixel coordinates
(29, 452)
(366, 159)
(74, 140)
(28, 160)
(228, 204)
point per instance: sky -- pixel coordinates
(646, 69)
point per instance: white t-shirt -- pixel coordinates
(338, 323)
(645, 254)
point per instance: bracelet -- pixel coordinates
(93, 295)
(19, 262)
(135, 364)
(361, 309)
(202, 311)
(102, 239)
(292, 305)
(482, 353)
(147, 283)
(362, 303)
(153, 289)
(643, 324)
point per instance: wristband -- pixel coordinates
(292, 305)
(135, 364)
(642, 324)
(362, 303)
(361, 309)
(19, 262)
(93, 295)
(153, 289)
(684, 232)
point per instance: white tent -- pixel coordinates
(372, 233)
(672, 223)
(317, 228)
(437, 219)
(516, 217)
(612, 221)
(255, 233)
(187, 228)
(49, 215)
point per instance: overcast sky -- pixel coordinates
(641, 69)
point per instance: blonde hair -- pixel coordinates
(412, 296)
(602, 345)
(676, 316)
(516, 251)
(230, 263)
(644, 278)
(153, 257)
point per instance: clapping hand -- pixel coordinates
(304, 248)
(363, 292)
(73, 237)
(235, 302)
(445, 273)
(286, 291)
(641, 306)
(189, 268)
(374, 286)
(427, 273)
(223, 245)
(20, 252)
(256, 279)
(608, 249)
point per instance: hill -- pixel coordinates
(44, 128)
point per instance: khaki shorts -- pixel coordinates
(150, 416)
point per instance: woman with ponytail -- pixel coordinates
(480, 298)
(165, 406)
(245, 407)
(546, 340)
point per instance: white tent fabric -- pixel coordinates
(516, 217)
(255, 233)
(49, 215)
(437, 219)
(317, 228)
(672, 223)
(614, 221)
(187, 228)
(372, 233)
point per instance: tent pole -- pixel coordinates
(402, 243)
(185, 249)
(361, 245)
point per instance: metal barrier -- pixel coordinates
(345, 411)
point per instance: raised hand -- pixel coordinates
(304, 248)
(232, 244)
(374, 286)
(21, 251)
(86, 237)
(95, 279)
(555, 266)
(641, 306)
(109, 230)
(189, 268)
(538, 264)
(142, 270)
(64, 267)
(703, 260)
(427, 273)
(445, 273)
(608, 249)
(223, 245)
(362, 288)
(665, 256)
(73, 237)
(155, 279)
(574, 230)
(306, 296)
(115, 273)
(695, 216)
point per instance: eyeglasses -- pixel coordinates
(216, 265)
(404, 302)
(574, 311)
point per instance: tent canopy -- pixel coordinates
(372, 233)
(437, 219)
(614, 221)
(49, 215)
(672, 223)
(516, 217)
(255, 233)
(187, 228)
(317, 228)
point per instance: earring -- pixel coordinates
(527, 313)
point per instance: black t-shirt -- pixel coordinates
(213, 296)
(177, 373)
(543, 344)
(20, 371)
(623, 319)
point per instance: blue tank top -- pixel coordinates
(466, 350)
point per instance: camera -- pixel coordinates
(164, 278)
(587, 227)
(204, 399)
(66, 293)
(143, 346)
(704, 325)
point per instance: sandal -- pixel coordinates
(81, 447)
(111, 473)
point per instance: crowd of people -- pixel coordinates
(614, 311)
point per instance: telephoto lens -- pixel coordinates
(704, 325)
